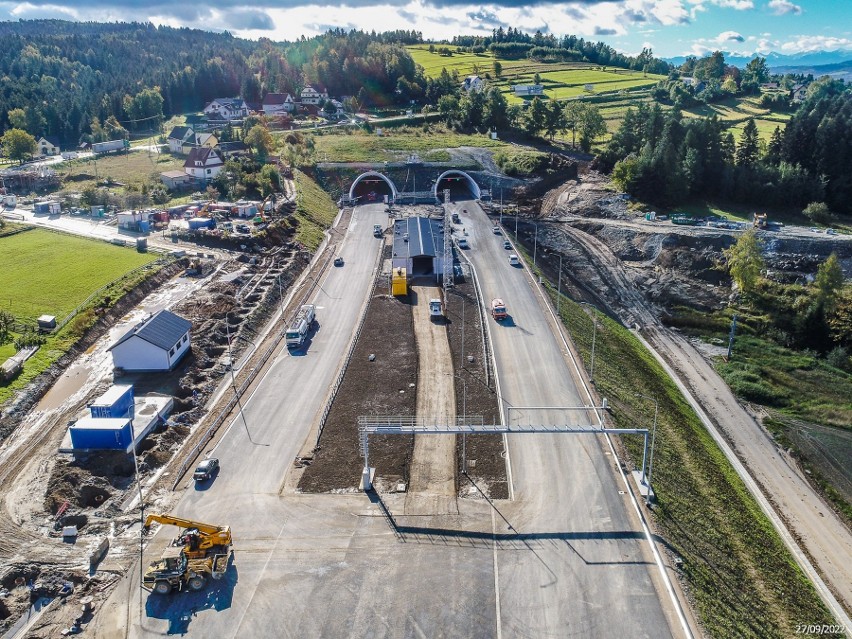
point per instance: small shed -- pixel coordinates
(117, 401)
(175, 179)
(46, 322)
(111, 433)
(155, 344)
(49, 207)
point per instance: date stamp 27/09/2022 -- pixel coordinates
(822, 629)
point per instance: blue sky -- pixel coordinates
(669, 27)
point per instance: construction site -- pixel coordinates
(403, 361)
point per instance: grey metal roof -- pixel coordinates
(424, 237)
(163, 329)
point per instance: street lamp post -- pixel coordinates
(535, 243)
(594, 336)
(653, 441)
(559, 290)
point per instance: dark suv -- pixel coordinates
(206, 469)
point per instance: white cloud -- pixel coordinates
(808, 43)
(729, 36)
(781, 7)
(739, 5)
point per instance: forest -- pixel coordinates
(664, 158)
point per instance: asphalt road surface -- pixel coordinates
(564, 560)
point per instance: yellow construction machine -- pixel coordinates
(198, 553)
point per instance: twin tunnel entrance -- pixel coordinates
(373, 187)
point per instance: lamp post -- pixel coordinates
(535, 243)
(653, 441)
(594, 336)
(559, 290)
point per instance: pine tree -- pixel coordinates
(747, 151)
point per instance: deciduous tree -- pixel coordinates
(745, 261)
(18, 144)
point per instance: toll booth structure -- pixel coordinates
(399, 282)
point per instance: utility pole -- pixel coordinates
(535, 243)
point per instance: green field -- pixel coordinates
(561, 80)
(131, 169)
(42, 272)
(315, 211)
(395, 144)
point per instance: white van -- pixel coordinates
(513, 260)
(435, 309)
(70, 155)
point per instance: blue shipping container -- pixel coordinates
(101, 434)
(115, 402)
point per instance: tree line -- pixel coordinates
(664, 158)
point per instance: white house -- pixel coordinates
(522, 90)
(155, 344)
(275, 103)
(799, 92)
(179, 136)
(310, 95)
(227, 109)
(48, 145)
(203, 163)
(472, 83)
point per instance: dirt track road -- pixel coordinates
(432, 488)
(815, 535)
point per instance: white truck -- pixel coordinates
(301, 324)
(436, 310)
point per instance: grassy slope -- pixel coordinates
(741, 577)
(395, 144)
(46, 272)
(315, 211)
(561, 79)
(136, 167)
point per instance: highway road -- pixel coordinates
(592, 577)
(565, 559)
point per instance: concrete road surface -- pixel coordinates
(591, 574)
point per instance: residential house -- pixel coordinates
(688, 81)
(179, 136)
(473, 83)
(155, 344)
(310, 95)
(799, 92)
(203, 164)
(227, 109)
(48, 145)
(232, 149)
(175, 180)
(523, 90)
(208, 140)
(275, 103)
(769, 86)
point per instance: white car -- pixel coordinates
(513, 260)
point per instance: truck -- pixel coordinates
(301, 324)
(112, 145)
(455, 217)
(198, 223)
(498, 309)
(436, 309)
(9, 201)
(48, 207)
(200, 552)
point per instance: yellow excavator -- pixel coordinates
(199, 552)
